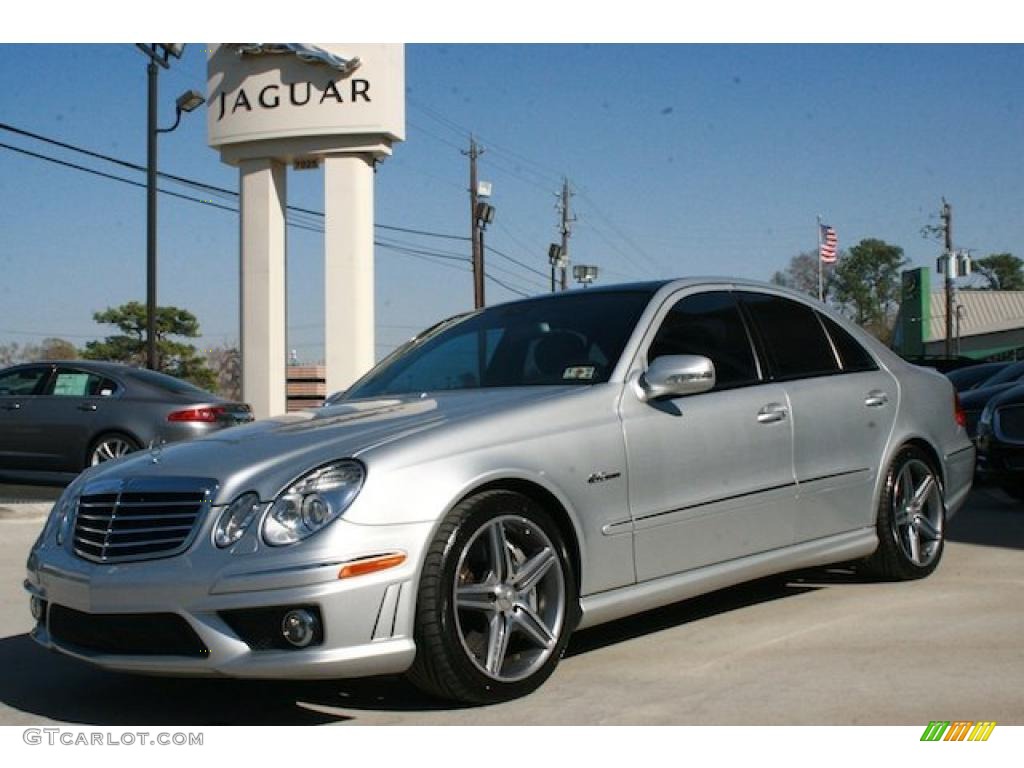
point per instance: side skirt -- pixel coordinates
(625, 601)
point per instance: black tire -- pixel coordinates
(446, 665)
(894, 560)
(127, 440)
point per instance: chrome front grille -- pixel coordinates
(1011, 422)
(134, 522)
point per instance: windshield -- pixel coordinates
(574, 339)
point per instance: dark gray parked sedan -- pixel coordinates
(61, 416)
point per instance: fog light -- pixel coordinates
(299, 627)
(38, 608)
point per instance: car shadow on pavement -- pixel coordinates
(677, 614)
(60, 688)
(994, 519)
(56, 687)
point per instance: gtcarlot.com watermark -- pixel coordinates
(68, 738)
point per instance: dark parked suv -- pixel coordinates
(1001, 441)
(62, 416)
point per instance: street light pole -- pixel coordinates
(159, 55)
(151, 361)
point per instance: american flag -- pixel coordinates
(829, 244)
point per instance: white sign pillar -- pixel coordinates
(337, 106)
(262, 276)
(348, 269)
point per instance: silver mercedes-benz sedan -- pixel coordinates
(507, 477)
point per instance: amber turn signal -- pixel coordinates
(371, 564)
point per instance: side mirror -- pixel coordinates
(676, 376)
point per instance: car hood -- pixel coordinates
(267, 455)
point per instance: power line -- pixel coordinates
(396, 247)
(542, 172)
(507, 287)
(112, 177)
(525, 266)
(310, 224)
(223, 191)
(522, 283)
(615, 228)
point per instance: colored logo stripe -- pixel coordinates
(958, 730)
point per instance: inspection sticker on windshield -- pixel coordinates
(578, 373)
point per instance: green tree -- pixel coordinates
(1002, 271)
(226, 363)
(173, 357)
(801, 274)
(56, 349)
(868, 284)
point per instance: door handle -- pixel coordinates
(12, 406)
(876, 398)
(87, 407)
(771, 413)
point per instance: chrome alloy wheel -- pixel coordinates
(110, 448)
(510, 598)
(918, 512)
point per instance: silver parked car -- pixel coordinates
(503, 479)
(62, 415)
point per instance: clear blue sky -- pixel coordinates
(688, 159)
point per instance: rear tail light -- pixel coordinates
(958, 411)
(204, 415)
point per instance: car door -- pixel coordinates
(710, 475)
(23, 445)
(74, 407)
(843, 408)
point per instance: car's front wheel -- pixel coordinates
(911, 518)
(497, 601)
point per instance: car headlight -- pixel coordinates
(986, 415)
(236, 519)
(312, 502)
(63, 514)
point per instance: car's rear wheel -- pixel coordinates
(911, 518)
(112, 445)
(497, 601)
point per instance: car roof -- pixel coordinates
(671, 285)
(96, 365)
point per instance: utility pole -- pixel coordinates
(151, 131)
(565, 227)
(947, 227)
(478, 253)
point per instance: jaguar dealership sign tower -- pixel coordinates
(337, 106)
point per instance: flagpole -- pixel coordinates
(821, 295)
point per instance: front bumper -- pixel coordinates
(367, 620)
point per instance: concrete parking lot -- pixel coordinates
(819, 647)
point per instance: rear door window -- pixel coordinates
(74, 383)
(794, 340)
